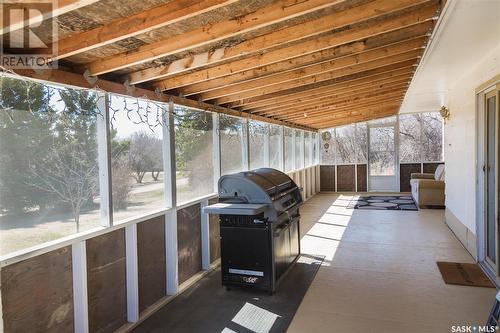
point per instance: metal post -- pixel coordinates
(282, 150)
(104, 160)
(171, 201)
(245, 145)
(132, 273)
(80, 298)
(267, 156)
(216, 150)
(205, 237)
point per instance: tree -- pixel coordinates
(48, 146)
(145, 155)
(68, 173)
(25, 120)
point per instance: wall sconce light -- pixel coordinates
(445, 113)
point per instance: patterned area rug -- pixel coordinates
(382, 202)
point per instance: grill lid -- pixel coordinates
(263, 185)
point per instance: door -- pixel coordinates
(382, 158)
(490, 170)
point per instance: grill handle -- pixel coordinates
(284, 226)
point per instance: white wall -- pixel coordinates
(460, 138)
(463, 54)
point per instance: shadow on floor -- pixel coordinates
(209, 307)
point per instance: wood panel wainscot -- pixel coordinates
(361, 177)
(327, 178)
(346, 178)
(106, 282)
(37, 294)
(151, 261)
(189, 241)
(405, 171)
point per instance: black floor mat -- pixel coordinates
(383, 202)
(209, 307)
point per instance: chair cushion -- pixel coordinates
(439, 172)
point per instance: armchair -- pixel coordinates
(427, 189)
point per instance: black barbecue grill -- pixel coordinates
(259, 227)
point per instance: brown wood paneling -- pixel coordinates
(327, 177)
(189, 241)
(37, 294)
(361, 177)
(151, 261)
(107, 300)
(405, 171)
(430, 167)
(213, 223)
(345, 178)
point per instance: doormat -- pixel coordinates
(207, 307)
(464, 274)
(379, 202)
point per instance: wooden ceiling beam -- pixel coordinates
(78, 80)
(60, 7)
(334, 99)
(140, 23)
(309, 60)
(319, 68)
(356, 119)
(273, 13)
(396, 61)
(329, 95)
(351, 82)
(351, 116)
(327, 108)
(423, 15)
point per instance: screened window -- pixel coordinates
(289, 148)
(382, 151)
(314, 148)
(299, 149)
(327, 147)
(361, 143)
(307, 149)
(275, 147)
(409, 138)
(259, 149)
(136, 156)
(193, 153)
(345, 147)
(231, 144)
(49, 183)
(432, 137)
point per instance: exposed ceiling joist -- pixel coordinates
(286, 35)
(297, 63)
(143, 22)
(301, 108)
(319, 68)
(421, 14)
(276, 12)
(391, 62)
(330, 95)
(353, 116)
(327, 108)
(20, 21)
(352, 82)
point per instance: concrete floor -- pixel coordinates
(380, 272)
